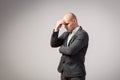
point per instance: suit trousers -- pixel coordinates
(72, 78)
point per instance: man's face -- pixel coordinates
(69, 25)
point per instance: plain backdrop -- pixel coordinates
(26, 27)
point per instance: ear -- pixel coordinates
(74, 20)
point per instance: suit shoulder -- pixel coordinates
(83, 32)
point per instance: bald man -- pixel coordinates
(73, 45)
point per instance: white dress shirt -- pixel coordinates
(72, 34)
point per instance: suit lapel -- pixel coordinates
(66, 38)
(74, 37)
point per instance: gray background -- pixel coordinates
(26, 27)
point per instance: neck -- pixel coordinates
(74, 28)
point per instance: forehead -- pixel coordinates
(67, 19)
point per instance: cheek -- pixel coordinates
(70, 26)
(66, 27)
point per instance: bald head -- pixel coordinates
(69, 16)
(70, 21)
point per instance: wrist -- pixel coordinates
(56, 30)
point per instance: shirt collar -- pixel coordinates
(76, 29)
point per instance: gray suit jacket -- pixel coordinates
(73, 55)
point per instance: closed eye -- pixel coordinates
(66, 23)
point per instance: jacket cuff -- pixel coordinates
(55, 34)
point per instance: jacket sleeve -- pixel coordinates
(55, 40)
(80, 41)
